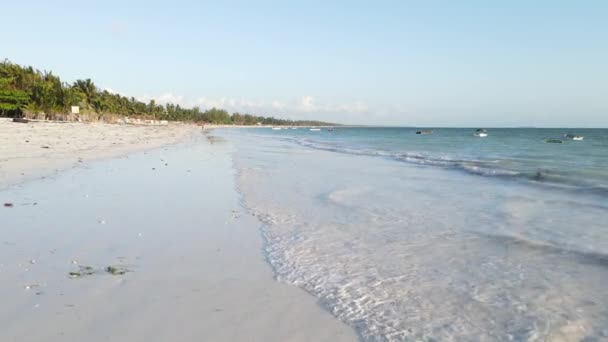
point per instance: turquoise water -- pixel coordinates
(441, 237)
(517, 153)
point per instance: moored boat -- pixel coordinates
(481, 133)
(574, 137)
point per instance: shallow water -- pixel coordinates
(424, 251)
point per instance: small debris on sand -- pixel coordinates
(44, 147)
(82, 271)
(88, 270)
(116, 270)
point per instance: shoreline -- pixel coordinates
(193, 256)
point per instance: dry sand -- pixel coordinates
(171, 216)
(35, 149)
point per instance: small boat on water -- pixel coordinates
(574, 137)
(330, 129)
(315, 129)
(276, 128)
(553, 141)
(425, 131)
(481, 133)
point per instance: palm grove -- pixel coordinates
(25, 91)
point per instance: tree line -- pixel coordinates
(28, 92)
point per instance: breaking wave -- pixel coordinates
(485, 168)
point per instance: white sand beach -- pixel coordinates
(29, 150)
(158, 203)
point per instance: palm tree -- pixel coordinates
(71, 97)
(88, 88)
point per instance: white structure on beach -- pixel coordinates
(132, 121)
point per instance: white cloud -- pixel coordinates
(302, 106)
(170, 98)
(163, 99)
(306, 105)
(278, 105)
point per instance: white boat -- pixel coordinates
(481, 133)
(276, 128)
(315, 129)
(574, 137)
(293, 128)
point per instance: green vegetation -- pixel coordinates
(26, 92)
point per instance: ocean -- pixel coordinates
(438, 237)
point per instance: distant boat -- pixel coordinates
(425, 131)
(481, 133)
(574, 137)
(330, 129)
(553, 141)
(276, 128)
(315, 129)
(294, 128)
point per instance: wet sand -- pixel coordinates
(172, 219)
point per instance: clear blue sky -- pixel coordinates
(446, 63)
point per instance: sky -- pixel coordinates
(409, 63)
